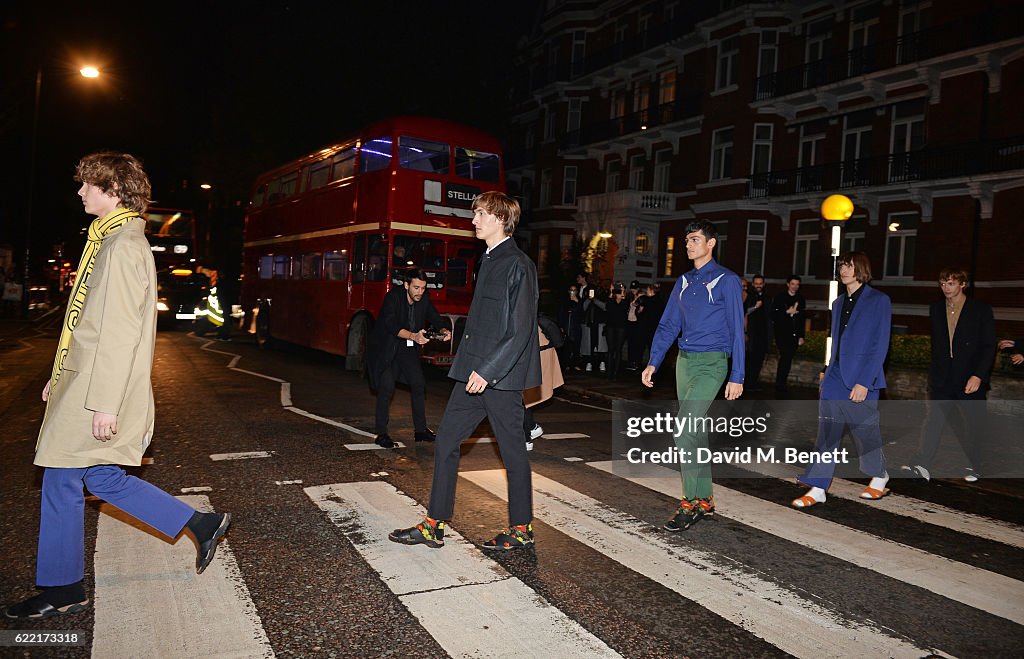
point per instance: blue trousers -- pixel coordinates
(61, 555)
(836, 413)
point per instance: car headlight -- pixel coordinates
(162, 306)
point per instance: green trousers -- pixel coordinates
(699, 376)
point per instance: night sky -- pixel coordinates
(219, 91)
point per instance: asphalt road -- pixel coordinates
(306, 571)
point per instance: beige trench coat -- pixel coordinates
(550, 375)
(109, 361)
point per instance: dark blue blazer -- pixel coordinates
(865, 343)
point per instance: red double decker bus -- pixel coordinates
(327, 235)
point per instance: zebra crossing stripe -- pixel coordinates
(150, 602)
(975, 587)
(463, 599)
(923, 511)
(765, 609)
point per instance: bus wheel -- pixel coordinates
(263, 337)
(355, 354)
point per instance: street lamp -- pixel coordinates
(836, 209)
(87, 72)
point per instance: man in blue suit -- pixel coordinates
(861, 321)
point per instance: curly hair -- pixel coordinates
(119, 174)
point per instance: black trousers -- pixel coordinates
(504, 410)
(757, 348)
(616, 339)
(944, 406)
(407, 365)
(635, 343)
(787, 348)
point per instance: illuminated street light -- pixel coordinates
(205, 186)
(88, 72)
(605, 234)
(836, 209)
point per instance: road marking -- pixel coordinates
(203, 488)
(975, 587)
(295, 482)
(466, 601)
(245, 455)
(922, 511)
(572, 402)
(565, 435)
(765, 609)
(149, 601)
(372, 447)
(331, 422)
(574, 459)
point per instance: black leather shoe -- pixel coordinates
(425, 435)
(208, 546)
(37, 608)
(384, 441)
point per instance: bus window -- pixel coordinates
(319, 175)
(417, 252)
(359, 260)
(257, 196)
(377, 259)
(274, 191)
(282, 266)
(476, 165)
(344, 163)
(375, 155)
(458, 273)
(336, 265)
(289, 183)
(266, 267)
(422, 155)
(312, 265)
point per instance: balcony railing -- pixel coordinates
(926, 164)
(661, 115)
(989, 27)
(641, 201)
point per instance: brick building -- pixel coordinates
(633, 118)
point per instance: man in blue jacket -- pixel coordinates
(705, 313)
(861, 321)
(498, 357)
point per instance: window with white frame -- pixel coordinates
(662, 170)
(575, 114)
(621, 30)
(756, 233)
(728, 62)
(667, 87)
(611, 180)
(906, 137)
(642, 101)
(816, 50)
(542, 254)
(900, 244)
(636, 172)
(853, 234)
(550, 123)
(863, 37)
(545, 188)
(768, 53)
(579, 51)
(913, 19)
(721, 154)
(761, 158)
(722, 229)
(617, 107)
(856, 148)
(670, 243)
(569, 185)
(805, 249)
(671, 10)
(812, 141)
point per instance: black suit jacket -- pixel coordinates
(788, 327)
(384, 343)
(500, 342)
(974, 346)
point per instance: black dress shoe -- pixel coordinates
(38, 607)
(425, 435)
(208, 546)
(384, 441)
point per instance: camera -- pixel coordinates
(433, 334)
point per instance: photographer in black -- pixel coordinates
(393, 352)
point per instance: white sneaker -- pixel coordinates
(601, 367)
(529, 446)
(536, 432)
(590, 367)
(971, 476)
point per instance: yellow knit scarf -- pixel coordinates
(99, 229)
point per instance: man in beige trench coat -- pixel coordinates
(99, 411)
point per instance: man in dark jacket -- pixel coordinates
(498, 357)
(963, 350)
(788, 316)
(393, 353)
(759, 330)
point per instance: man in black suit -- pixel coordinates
(963, 350)
(498, 358)
(393, 352)
(759, 331)
(788, 316)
